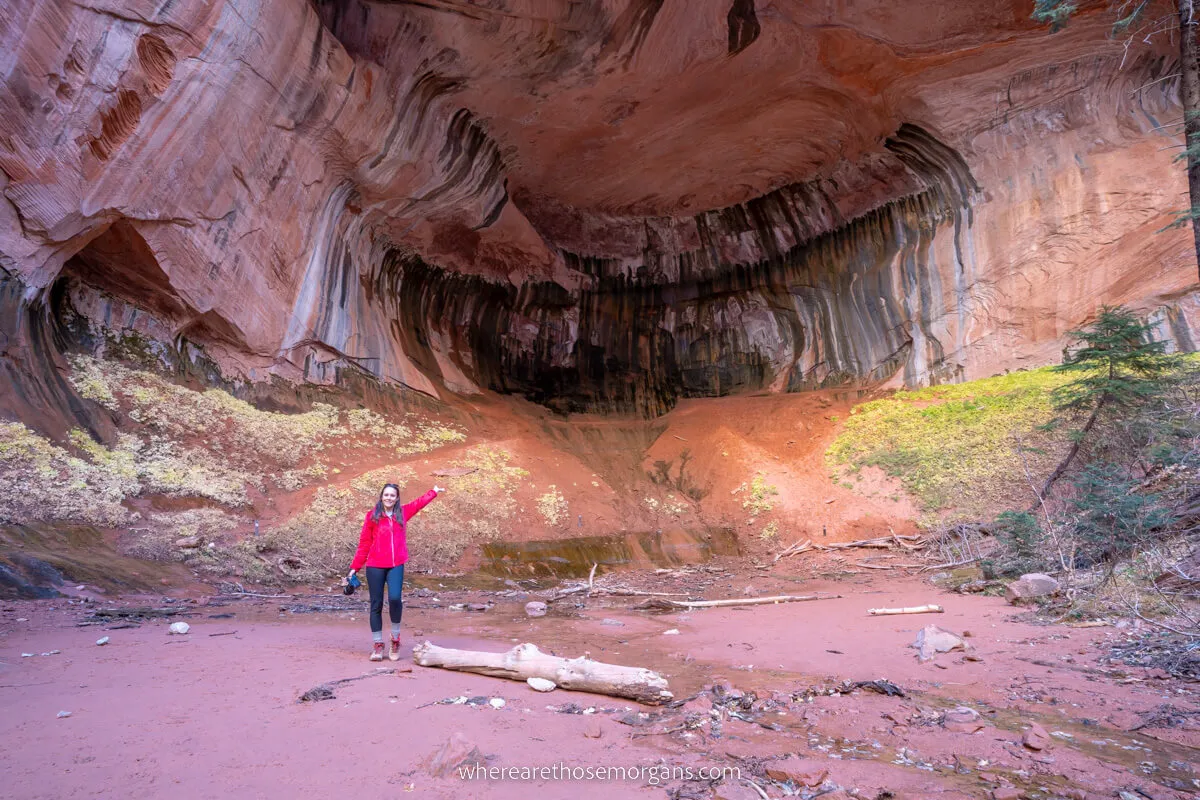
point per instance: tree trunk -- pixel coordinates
(526, 661)
(1074, 451)
(1189, 95)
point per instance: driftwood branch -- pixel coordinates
(794, 549)
(879, 612)
(661, 604)
(324, 691)
(526, 661)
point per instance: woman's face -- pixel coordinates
(389, 498)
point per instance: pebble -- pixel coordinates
(102, 641)
(535, 608)
(179, 627)
(672, 632)
(64, 714)
(541, 684)
(496, 702)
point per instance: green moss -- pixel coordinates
(954, 447)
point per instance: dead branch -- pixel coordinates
(793, 549)
(324, 691)
(930, 609)
(671, 605)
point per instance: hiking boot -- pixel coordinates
(394, 654)
(377, 653)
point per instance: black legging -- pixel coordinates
(393, 577)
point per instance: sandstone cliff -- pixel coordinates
(603, 206)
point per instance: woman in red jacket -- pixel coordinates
(384, 550)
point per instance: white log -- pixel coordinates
(525, 661)
(879, 612)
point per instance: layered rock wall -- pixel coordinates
(603, 206)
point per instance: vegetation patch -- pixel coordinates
(319, 541)
(42, 481)
(758, 495)
(474, 509)
(553, 506)
(246, 436)
(964, 447)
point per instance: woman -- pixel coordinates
(384, 550)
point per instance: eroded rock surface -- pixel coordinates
(600, 206)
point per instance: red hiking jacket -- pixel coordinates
(382, 543)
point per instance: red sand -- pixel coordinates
(207, 715)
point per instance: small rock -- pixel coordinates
(102, 641)
(188, 542)
(64, 714)
(736, 790)
(22, 619)
(51, 652)
(496, 702)
(932, 640)
(1006, 793)
(802, 772)
(962, 720)
(962, 714)
(672, 632)
(1030, 586)
(593, 730)
(179, 627)
(1036, 738)
(1128, 796)
(541, 684)
(455, 752)
(28, 655)
(535, 608)
(616, 623)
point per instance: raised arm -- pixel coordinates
(411, 509)
(365, 540)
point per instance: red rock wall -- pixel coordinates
(600, 205)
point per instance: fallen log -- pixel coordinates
(525, 661)
(660, 604)
(931, 609)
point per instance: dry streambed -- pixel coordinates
(805, 699)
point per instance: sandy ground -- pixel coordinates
(214, 713)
